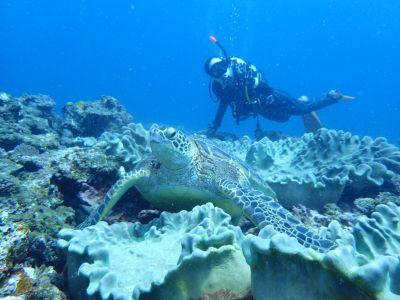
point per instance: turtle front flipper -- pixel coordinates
(114, 194)
(263, 210)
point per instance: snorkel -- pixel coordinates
(214, 40)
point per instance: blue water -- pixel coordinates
(150, 54)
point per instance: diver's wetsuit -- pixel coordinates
(243, 89)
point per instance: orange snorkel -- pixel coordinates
(214, 40)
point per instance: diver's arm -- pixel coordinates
(219, 115)
(223, 99)
(222, 107)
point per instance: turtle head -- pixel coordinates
(171, 146)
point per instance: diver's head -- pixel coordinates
(216, 66)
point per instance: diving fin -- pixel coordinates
(347, 97)
(312, 122)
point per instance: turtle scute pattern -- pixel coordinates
(264, 210)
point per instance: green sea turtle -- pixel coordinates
(184, 171)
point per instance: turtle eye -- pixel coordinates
(170, 133)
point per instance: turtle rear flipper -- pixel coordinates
(113, 195)
(263, 210)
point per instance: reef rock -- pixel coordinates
(10, 236)
(314, 170)
(185, 255)
(91, 119)
(28, 120)
(365, 265)
(31, 283)
(40, 182)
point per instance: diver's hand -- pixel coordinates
(339, 96)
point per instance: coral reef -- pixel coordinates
(43, 187)
(271, 135)
(185, 255)
(129, 145)
(10, 236)
(80, 169)
(396, 183)
(365, 265)
(365, 205)
(346, 214)
(30, 283)
(91, 119)
(317, 168)
(54, 171)
(238, 147)
(29, 120)
(17, 245)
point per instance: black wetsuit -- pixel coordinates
(243, 89)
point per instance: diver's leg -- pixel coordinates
(302, 105)
(312, 122)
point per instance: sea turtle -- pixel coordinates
(185, 171)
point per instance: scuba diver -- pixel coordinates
(241, 86)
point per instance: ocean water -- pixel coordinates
(150, 55)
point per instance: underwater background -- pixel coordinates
(188, 216)
(150, 56)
